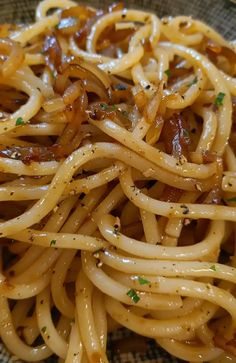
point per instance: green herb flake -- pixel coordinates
(53, 242)
(43, 330)
(125, 113)
(213, 268)
(194, 81)
(185, 133)
(20, 121)
(168, 72)
(219, 99)
(133, 295)
(54, 74)
(113, 107)
(231, 199)
(106, 107)
(143, 281)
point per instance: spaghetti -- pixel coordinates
(118, 181)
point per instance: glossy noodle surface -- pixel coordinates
(117, 184)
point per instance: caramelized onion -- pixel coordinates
(171, 194)
(78, 11)
(216, 193)
(97, 72)
(152, 106)
(15, 57)
(227, 345)
(154, 132)
(5, 30)
(111, 35)
(82, 70)
(140, 97)
(81, 35)
(93, 87)
(213, 49)
(73, 19)
(10, 99)
(68, 26)
(54, 105)
(72, 93)
(234, 109)
(119, 96)
(116, 7)
(100, 111)
(36, 153)
(175, 135)
(53, 53)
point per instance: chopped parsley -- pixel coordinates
(231, 199)
(43, 330)
(106, 107)
(143, 281)
(219, 99)
(125, 113)
(133, 295)
(194, 81)
(168, 72)
(213, 268)
(54, 74)
(20, 121)
(53, 242)
(113, 107)
(185, 133)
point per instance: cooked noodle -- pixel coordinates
(118, 182)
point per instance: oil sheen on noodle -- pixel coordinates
(117, 184)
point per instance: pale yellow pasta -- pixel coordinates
(117, 184)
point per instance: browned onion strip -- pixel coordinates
(86, 24)
(53, 53)
(216, 193)
(213, 49)
(151, 109)
(225, 344)
(35, 153)
(83, 71)
(68, 26)
(234, 109)
(102, 76)
(92, 72)
(93, 87)
(11, 99)
(154, 132)
(171, 194)
(175, 136)
(78, 11)
(72, 92)
(15, 57)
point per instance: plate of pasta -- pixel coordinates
(117, 181)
